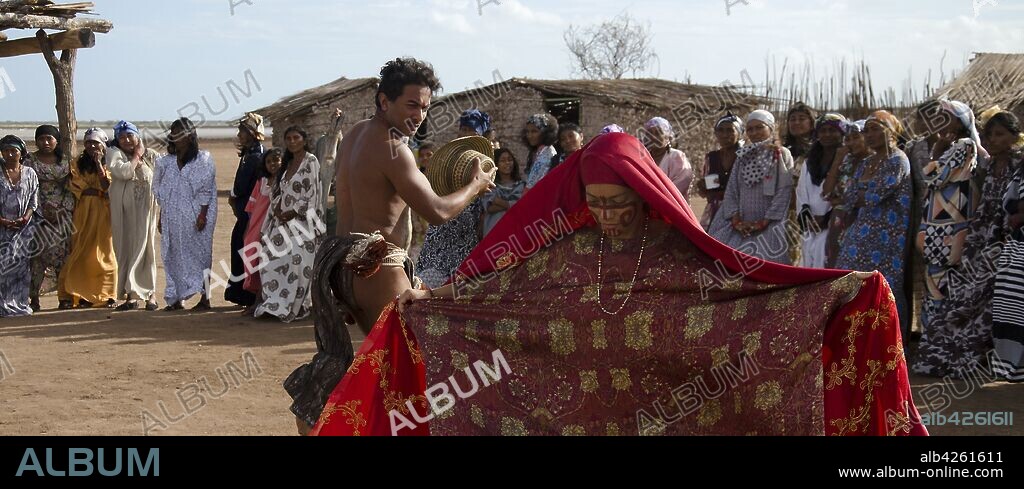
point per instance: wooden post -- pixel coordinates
(63, 70)
(74, 39)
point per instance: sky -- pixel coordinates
(165, 59)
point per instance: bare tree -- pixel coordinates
(611, 49)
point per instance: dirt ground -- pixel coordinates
(216, 373)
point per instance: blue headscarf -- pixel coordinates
(476, 120)
(125, 126)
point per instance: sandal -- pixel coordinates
(152, 306)
(127, 306)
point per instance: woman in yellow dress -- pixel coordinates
(90, 273)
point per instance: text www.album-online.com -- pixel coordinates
(942, 472)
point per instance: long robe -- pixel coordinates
(769, 200)
(17, 246)
(133, 218)
(90, 272)
(950, 203)
(291, 246)
(808, 194)
(876, 238)
(186, 252)
(1008, 303)
(54, 217)
(959, 337)
(246, 178)
(258, 209)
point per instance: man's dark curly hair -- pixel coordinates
(402, 72)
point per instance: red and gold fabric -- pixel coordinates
(711, 341)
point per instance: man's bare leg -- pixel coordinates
(304, 429)
(375, 293)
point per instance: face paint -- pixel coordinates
(618, 214)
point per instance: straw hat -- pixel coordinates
(451, 166)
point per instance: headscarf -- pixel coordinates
(889, 122)
(479, 121)
(612, 128)
(540, 121)
(48, 130)
(600, 172)
(855, 126)
(253, 123)
(125, 127)
(729, 118)
(663, 124)
(965, 115)
(96, 134)
(763, 116)
(15, 142)
(816, 165)
(833, 119)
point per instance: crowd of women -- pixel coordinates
(93, 222)
(938, 201)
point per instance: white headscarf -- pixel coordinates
(763, 116)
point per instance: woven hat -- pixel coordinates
(450, 167)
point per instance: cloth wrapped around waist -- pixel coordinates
(338, 261)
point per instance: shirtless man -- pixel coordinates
(362, 270)
(378, 180)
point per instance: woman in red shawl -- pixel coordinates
(598, 306)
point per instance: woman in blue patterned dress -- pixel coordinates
(19, 198)
(878, 206)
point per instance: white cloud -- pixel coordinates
(454, 21)
(522, 12)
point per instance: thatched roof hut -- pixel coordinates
(990, 79)
(313, 109)
(592, 104)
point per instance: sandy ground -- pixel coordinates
(217, 373)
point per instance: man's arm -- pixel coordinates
(414, 188)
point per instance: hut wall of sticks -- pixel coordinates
(76, 33)
(313, 110)
(592, 104)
